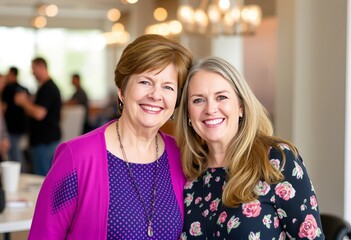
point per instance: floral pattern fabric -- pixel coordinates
(286, 210)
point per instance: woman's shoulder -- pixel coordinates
(87, 142)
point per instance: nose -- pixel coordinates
(155, 93)
(211, 107)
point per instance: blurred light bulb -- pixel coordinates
(51, 10)
(113, 14)
(160, 14)
(39, 22)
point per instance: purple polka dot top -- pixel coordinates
(126, 216)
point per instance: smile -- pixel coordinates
(214, 121)
(151, 108)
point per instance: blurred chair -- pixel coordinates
(335, 228)
(72, 121)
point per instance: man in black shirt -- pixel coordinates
(14, 115)
(80, 97)
(44, 112)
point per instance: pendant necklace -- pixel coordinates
(150, 231)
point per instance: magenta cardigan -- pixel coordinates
(74, 199)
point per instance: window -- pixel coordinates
(66, 51)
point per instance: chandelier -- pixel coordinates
(216, 17)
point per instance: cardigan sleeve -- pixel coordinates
(57, 198)
(177, 176)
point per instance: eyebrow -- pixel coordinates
(151, 78)
(216, 93)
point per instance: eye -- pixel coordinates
(144, 82)
(169, 87)
(198, 100)
(222, 97)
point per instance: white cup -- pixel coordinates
(10, 174)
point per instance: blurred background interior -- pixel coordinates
(294, 54)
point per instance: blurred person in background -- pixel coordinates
(15, 117)
(4, 136)
(44, 112)
(123, 180)
(80, 97)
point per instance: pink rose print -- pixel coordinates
(214, 205)
(313, 202)
(276, 222)
(267, 221)
(254, 236)
(262, 188)
(188, 200)
(207, 178)
(285, 190)
(188, 185)
(275, 163)
(233, 223)
(309, 228)
(197, 200)
(195, 229)
(183, 236)
(252, 209)
(284, 146)
(297, 171)
(205, 213)
(222, 218)
(282, 236)
(208, 197)
(217, 179)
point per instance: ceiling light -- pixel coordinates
(220, 17)
(160, 14)
(113, 14)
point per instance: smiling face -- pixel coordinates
(150, 97)
(213, 107)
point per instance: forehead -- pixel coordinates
(169, 73)
(208, 81)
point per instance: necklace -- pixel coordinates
(149, 217)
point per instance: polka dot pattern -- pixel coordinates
(64, 192)
(126, 217)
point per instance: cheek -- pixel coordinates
(170, 99)
(193, 112)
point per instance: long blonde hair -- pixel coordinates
(247, 153)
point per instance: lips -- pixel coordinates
(150, 108)
(214, 122)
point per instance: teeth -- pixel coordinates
(151, 108)
(214, 121)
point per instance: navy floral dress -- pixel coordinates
(286, 210)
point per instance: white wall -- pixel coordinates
(311, 81)
(347, 170)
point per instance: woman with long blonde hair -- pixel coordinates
(243, 182)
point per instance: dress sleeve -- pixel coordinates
(57, 200)
(296, 200)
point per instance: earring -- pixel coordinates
(121, 105)
(172, 117)
(189, 122)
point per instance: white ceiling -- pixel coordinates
(86, 13)
(20, 12)
(72, 4)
